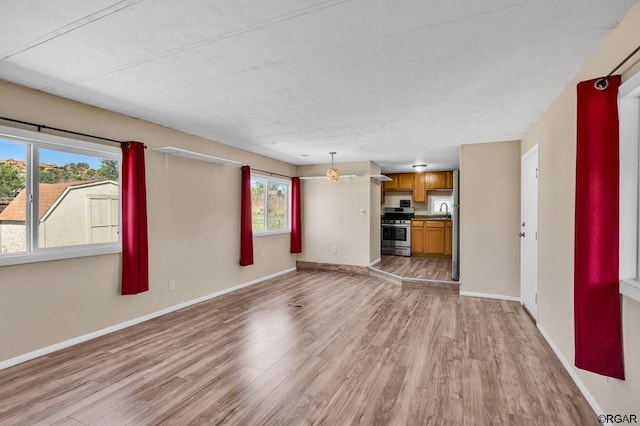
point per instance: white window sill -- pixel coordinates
(267, 233)
(631, 289)
(46, 255)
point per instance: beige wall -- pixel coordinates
(193, 234)
(334, 230)
(489, 218)
(374, 216)
(556, 135)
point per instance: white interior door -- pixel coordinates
(529, 232)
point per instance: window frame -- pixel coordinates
(280, 180)
(33, 142)
(629, 119)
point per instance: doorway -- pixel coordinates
(529, 232)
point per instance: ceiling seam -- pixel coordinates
(75, 25)
(211, 40)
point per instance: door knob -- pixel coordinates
(522, 235)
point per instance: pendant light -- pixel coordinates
(332, 173)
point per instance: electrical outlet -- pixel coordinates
(334, 249)
(261, 253)
(172, 285)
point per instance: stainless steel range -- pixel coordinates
(396, 230)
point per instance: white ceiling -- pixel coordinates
(392, 81)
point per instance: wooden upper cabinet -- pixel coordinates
(419, 183)
(448, 180)
(390, 185)
(435, 180)
(405, 182)
(399, 182)
(419, 187)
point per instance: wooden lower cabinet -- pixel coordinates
(434, 237)
(431, 238)
(417, 237)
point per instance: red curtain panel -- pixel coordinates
(296, 217)
(598, 328)
(246, 230)
(135, 253)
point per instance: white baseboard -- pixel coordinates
(572, 372)
(375, 262)
(489, 296)
(74, 341)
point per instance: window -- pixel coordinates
(441, 204)
(629, 93)
(59, 197)
(270, 205)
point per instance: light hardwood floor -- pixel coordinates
(429, 268)
(307, 348)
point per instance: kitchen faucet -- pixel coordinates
(446, 207)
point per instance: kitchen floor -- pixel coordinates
(429, 268)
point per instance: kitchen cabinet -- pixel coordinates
(417, 237)
(399, 182)
(390, 185)
(439, 180)
(431, 238)
(435, 180)
(448, 180)
(448, 237)
(434, 237)
(419, 188)
(405, 182)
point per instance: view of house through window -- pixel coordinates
(13, 161)
(75, 202)
(269, 204)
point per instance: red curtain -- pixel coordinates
(598, 328)
(296, 217)
(246, 229)
(135, 256)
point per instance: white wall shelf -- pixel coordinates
(325, 178)
(631, 289)
(172, 150)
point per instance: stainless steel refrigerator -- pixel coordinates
(455, 224)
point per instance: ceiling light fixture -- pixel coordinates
(332, 173)
(419, 167)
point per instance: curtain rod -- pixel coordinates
(270, 173)
(624, 61)
(43, 126)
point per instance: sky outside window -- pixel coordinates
(16, 151)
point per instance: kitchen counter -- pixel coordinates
(431, 217)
